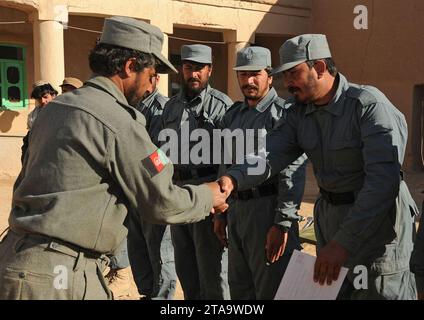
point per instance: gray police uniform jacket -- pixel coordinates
(356, 144)
(205, 111)
(89, 158)
(417, 259)
(152, 109)
(291, 180)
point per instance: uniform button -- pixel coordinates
(21, 275)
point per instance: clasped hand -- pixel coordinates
(221, 190)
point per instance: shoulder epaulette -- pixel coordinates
(220, 96)
(365, 94)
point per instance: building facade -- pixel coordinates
(51, 39)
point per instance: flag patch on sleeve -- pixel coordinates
(155, 162)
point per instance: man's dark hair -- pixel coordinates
(199, 65)
(107, 60)
(269, 70)
(331, 66)
(39, 91)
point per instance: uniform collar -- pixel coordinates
(264, 103)
(110, 87)
(196, 104)
(147, 102)
(336, 105)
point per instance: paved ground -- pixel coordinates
(414, 180)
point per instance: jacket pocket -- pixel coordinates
(27, 285)
(392, 261)
(346, 154)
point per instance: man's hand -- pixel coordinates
(219, 226)
(276, 241)
(227, 184)
(329, 262)
(219, 198)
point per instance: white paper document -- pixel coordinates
(298, 281)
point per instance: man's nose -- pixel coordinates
(251, 80)
(194, 74)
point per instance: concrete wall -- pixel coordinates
(389, 55)
(273, 43)
(10, 157)
(233, 23)
(218, 79)
(78, 44)
(13, 122)
(17, 34)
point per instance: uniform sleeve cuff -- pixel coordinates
(205, 195)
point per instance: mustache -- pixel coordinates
(250, 86)
(193, 80)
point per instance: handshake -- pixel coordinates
(221, 190)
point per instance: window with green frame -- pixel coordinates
(13, 93)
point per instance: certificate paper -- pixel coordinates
(298, 281)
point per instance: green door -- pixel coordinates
(12, 84)
(13, 89)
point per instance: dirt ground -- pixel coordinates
(413, 179)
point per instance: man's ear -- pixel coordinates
(129, 67)
(320, 66)
(270, 79)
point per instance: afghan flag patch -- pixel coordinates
(155, 162)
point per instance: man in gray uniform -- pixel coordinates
(356, 141)
(152, 108)
(198, 252)
(150, 247)
(89, 158)
(266, 215)
(417, 259)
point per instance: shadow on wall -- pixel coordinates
(6, 119)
